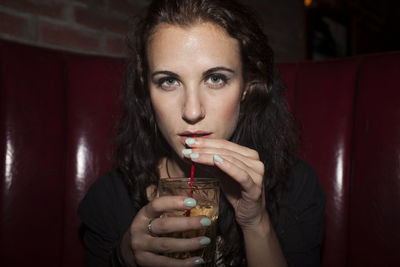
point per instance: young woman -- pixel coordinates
(201, 88)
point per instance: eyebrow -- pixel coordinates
(165, 72)
(209, 71)
(206, 73)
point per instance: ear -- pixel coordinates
(245, 91)
(151, 192)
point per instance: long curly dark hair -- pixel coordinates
(264, 123)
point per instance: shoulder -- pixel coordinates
(105, 189)
(300, 223)
(303, 198)
(109, 183)
(106, 203)
(303, 184)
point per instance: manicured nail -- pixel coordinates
(205, 241)
(205, 222)
(186, 151)
(190, 202)
(194, 155)
(218, 158)
(189, 141)
(199, 261)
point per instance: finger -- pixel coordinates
(256, 177)
(166, 225)
(222, 143)
(159, 205)
(237, 169)
(233, 170)
(151, 259)
(171, 245)
(250, 163)
(250, 186)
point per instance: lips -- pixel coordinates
(190, 134)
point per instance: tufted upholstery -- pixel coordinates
(56, 121)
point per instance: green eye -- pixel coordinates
(216, 80)
(168, 83)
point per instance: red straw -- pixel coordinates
(191, 183)
(192, 175)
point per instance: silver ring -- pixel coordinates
(149, 228)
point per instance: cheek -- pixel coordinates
(158, 109)
(231, 110)
(229, 113)
(164, 114)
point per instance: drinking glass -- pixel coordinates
(206, 193)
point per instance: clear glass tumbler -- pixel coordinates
(206, 193)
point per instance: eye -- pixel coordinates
(216, 80)
(168, 83)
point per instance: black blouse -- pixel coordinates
(107, 212)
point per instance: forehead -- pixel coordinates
(202, 44)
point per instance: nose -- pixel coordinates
(193, 109)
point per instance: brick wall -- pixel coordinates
(99, 26)
(88, 26)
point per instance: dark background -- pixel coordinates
(298, 29)
(350, 27)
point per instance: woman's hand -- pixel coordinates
(244, 186)
(140, 246)
(244, 190)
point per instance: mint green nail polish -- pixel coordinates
(186, 151)
(190, 202)
(189, 141)
(194, 155)
(218, 158)
(205, 241)
(205, 222)
(199, 261)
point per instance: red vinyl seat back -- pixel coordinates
(56, 122)
(32, 156)
(349, 110)
(375, 189)
(58, 110)
(324, 104)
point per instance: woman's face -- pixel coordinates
(196, 82)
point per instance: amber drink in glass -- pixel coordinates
(206, 193)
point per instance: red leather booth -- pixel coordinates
(57, 112)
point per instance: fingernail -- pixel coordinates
(199, 261)
(194, 155)
(205, 241)
(186, 151)
(205, 222)
(189, 141)
(190, 202)
(218, 158)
